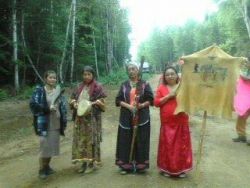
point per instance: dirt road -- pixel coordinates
(223, 163)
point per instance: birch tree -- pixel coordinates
(26, 50)
(245, 8)
(109, 39)
(95, 53)
(73, 40)
(15, 47)
(52, 15)
(65, 46)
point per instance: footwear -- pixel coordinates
(50, 171)
(90, 168)
(240, 139)
(42, 174)
(182, 175)
(123, 172)
(91, 165)
(83, 168)
(165, 174)
(98, 164)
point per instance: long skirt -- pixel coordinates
(140, 159)
(241, 99)
(86, 139)
(175, 150)
(50, 144)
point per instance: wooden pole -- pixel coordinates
(200, 146)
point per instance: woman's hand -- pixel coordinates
(172, 94)
(97, 102)
(100, 103)
(132, 108)
(143, 105)
(75, 105)
(52, 108)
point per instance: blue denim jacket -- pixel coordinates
(40, 111)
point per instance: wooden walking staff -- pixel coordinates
(201, 141)
(135, 120)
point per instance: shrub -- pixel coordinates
(25, 93)
(3, 94)
(115, 78)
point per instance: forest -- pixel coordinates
(65, 35)
(229, 28)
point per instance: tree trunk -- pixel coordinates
(245, 11)
(65, 47)
(26, 51)
(73, 41)
(109, 45)
(95, 52)
(52, 15)
(24, 75)
(244, 6)
(15, 48)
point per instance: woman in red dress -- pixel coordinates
(175, 150)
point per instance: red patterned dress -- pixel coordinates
(175, 150)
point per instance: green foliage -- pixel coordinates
(225, 28)
(3, 95)
(25, 93)
(44, 25)
(114, 78)
(117, 77)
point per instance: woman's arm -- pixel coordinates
(120, 100)
(164, 99)
(63, 113)
(100, 103)
(36, 102)
(161, 99)
(73, 100)
(144, 105)
(148, 97)
(128, 106)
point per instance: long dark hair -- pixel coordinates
(163, 75)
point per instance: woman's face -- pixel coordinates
(51, 79)
(87, 77)
(171, 76)
(132, 72)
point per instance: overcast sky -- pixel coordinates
(145, 15)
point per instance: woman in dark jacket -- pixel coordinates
(134, 97)
(50, 119)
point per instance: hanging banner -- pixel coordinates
(208, 82)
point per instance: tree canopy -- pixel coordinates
(59, 35)
(228, 28)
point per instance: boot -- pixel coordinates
(42, 171)
(48, 169)
(240, 139)
(90, 168)
(42, 174)
(83, 167)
